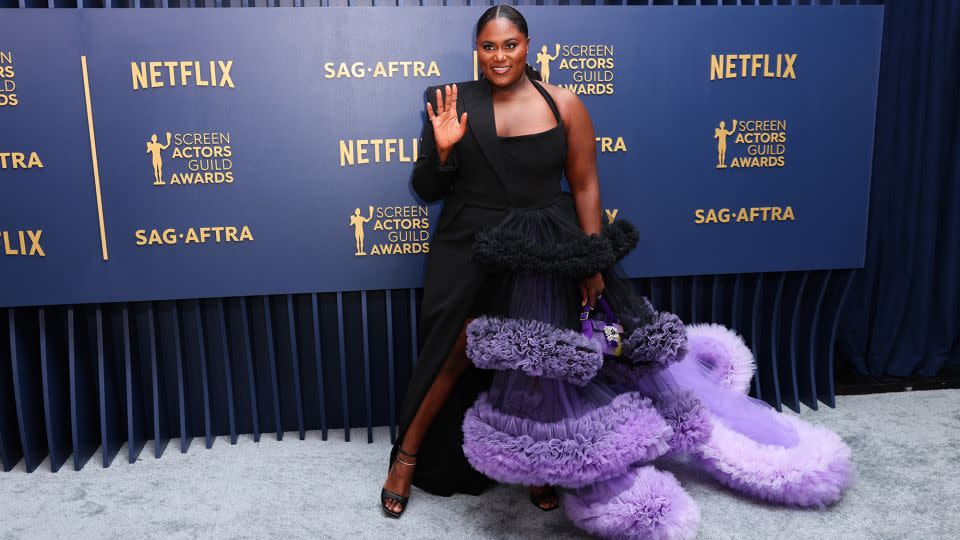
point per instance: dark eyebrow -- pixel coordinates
(505, 41)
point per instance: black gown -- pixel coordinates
(554, 406)
(456, 287)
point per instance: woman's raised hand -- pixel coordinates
(447, 129)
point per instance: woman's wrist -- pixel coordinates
(443, 154)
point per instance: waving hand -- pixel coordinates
(447, 129)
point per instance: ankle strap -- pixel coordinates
(408, 454)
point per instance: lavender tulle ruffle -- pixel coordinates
(534, 347)
(643, 503)
(572, 452)
(657, 343)
(723, 352)
(750, 447)
(689, 420)
(815, 472)
(559, 413)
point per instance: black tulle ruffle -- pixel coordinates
(519, 244)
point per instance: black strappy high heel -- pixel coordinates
(387, 495)
(538, 499)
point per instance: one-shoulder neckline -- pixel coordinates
(530, 135)
(553, 108)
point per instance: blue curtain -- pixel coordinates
(903, 317)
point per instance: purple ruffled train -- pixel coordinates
(559, 413)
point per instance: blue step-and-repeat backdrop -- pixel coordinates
(171, 154)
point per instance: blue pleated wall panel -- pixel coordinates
(75, 379)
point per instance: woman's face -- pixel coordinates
(502, 52)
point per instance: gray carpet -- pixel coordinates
(906, 447)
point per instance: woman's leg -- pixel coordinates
(400, 475)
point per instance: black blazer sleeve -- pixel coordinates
(432, 181)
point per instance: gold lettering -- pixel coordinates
(788, 70)
(362, 151)
(755, 62)
(199, 72)
(7, 250)
(716, 66)
(35, 248)
(185, 71)
(376, 149)
(404, 158)
(172, 67)
(346, 153)
(225, 78)
(743, 57)
(139, 74)
(155, 81)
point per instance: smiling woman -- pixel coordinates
(505, 141)
(517, 381)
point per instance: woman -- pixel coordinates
(504, 112)
(563, 398)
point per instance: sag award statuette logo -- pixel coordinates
(763, 142)
(399, 230)
(357, 221)
(720, 133)
(543, 60)
(154, 148)
(8, 87)
(197, 158)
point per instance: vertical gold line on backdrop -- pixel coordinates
(93, 156)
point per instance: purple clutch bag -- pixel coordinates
(607, 333)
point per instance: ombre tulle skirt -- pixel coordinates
(559, 413)
(547, 419)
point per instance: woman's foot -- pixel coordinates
(396, 490)
(544, 497)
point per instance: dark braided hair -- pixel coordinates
(511, 14)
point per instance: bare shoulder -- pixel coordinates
(569, 103)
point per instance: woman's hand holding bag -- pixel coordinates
(607, 333)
